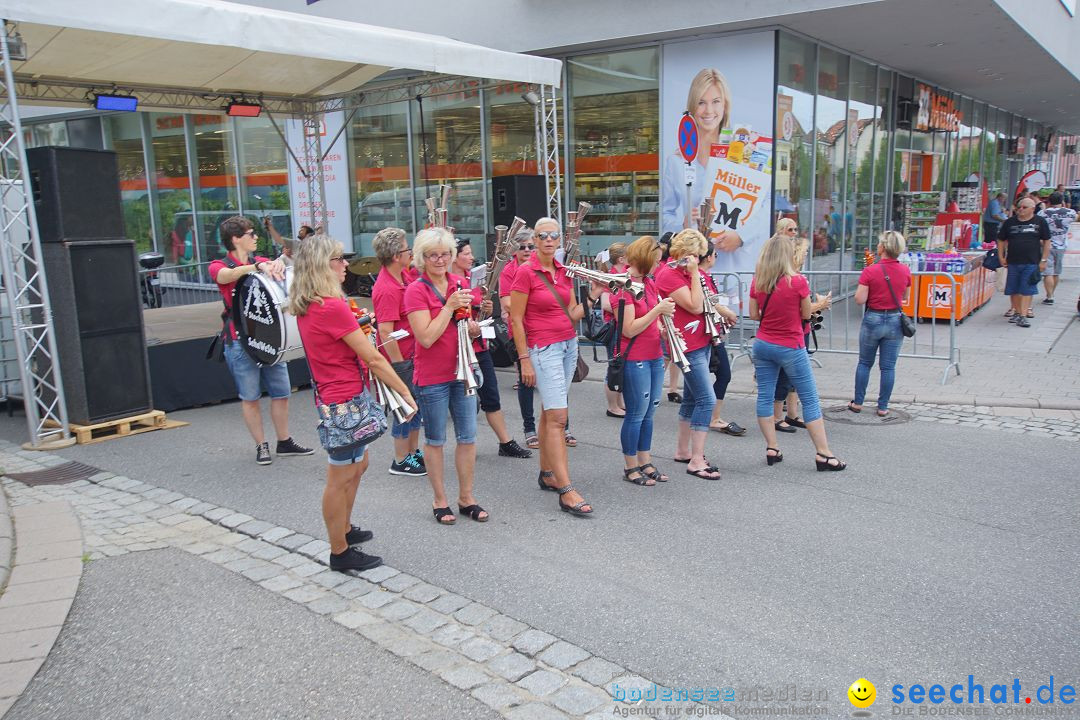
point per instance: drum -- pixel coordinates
(267, 332)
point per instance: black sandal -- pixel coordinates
(574, 509)
(783, 427)
(442, 512)
(655, 474)
(641, 479)
(773, 459)
(544, 485)
(700, 473)
(473, 512)
(795, 422)
(823, 465)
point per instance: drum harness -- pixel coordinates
(215, 352)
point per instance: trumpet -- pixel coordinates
(467, 363)
(574, 219)
(504, 250)
(676, 344)
(436, 207)
(714, 321)
(385, 395)
(705, 211)
(614, 281)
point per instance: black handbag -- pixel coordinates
(595, 328)
(991, 261)
(617, 365)
(502, 349)
(907, 325)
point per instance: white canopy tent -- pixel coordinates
(198, 55)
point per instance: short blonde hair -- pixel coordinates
(702, 81)
(893, 243)
(688, 242)
(547, 221)
(785, 224)
(617, 251)
(436, 238)
(641, 253)
(313, 277)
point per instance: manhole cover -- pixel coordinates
(868, 416)
(68, 472)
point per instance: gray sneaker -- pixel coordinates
(1022, 322)
(262, 454)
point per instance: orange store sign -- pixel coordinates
(936, 111)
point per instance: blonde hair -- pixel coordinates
(688, 242)
(785, 224)
(313, 278)
(775, 261)
(641, 253)
(701, 82)
(892, 243)
(387, 244)
(430, 239)
(800, 247)
(617, 251)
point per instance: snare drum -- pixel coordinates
(266, 331)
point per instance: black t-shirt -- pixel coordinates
(1025, 239)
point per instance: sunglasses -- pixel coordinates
(526, 247)
(250, 232)
(553, 235)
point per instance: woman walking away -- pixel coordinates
(333, 341)
(643, 373)
(431, 304)
(883, 289)
(719, 360)
(544, 309)
(680, 279)
(780, 302)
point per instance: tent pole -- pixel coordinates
(25, 287)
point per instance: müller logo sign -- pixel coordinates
(936, 111)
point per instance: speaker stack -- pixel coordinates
(93, 283)
(523, 196)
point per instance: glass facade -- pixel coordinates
(853, 156)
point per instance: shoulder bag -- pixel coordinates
(617, 365)
(350, 424)
(581, 371)
(907, 325)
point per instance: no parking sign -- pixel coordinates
(688, 137)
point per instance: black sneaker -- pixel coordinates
(289, 447)
(1048, 301)
(262, 454)
(408, 466)
(353, 559)
(510, 448)
(355, 536)
(418, 456)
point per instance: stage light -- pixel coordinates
(123, 103)
(243, 109)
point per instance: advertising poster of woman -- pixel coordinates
(726, 84)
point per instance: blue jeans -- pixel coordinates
(247, 374)
(525, 404)
(441, 402)
(880, 330)
(698, 396)
(768, 361)
(643, 381)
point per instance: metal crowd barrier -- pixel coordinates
(840, 327)
(187, 284)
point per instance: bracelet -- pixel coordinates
(524, 357)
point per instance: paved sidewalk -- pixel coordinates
(7, 540)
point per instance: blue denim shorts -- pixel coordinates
(439, 403)
(1018, 281)
(347, 457)
(247, 375)
(554, 366)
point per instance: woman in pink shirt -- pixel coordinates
(780, 301)
(544, 311)
(643, 373)
(337, 351)
(431, 304)
(883, 289)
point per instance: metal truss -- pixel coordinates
(313, 125)
(548, 150)
(24, 282)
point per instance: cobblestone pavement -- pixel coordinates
(522, 672)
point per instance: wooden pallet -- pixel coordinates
(123, 427)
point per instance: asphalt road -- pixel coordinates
(941, 552)
(164, 634)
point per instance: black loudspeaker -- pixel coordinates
(524, 196)
(97, 318)
(76, 193)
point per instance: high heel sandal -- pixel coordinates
(823, 465)
(773, 459)
(574, 509)
(544, 485)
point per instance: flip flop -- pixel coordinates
(702, 473)
(851, 407)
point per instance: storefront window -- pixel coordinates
(615, 112)
(794, 162)
(217, 197)
(379, 150)
(448, 150)
(831, 123)
(171, 187)
(862, 113)
(124, 133)
(264, 177)
(881, 218)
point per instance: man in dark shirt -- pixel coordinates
(1023, 246)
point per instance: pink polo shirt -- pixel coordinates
(545, 321)
(506, 277)
(388, 302)
(668, 280)
(647, 343)
(437, 364)
(782, 323)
